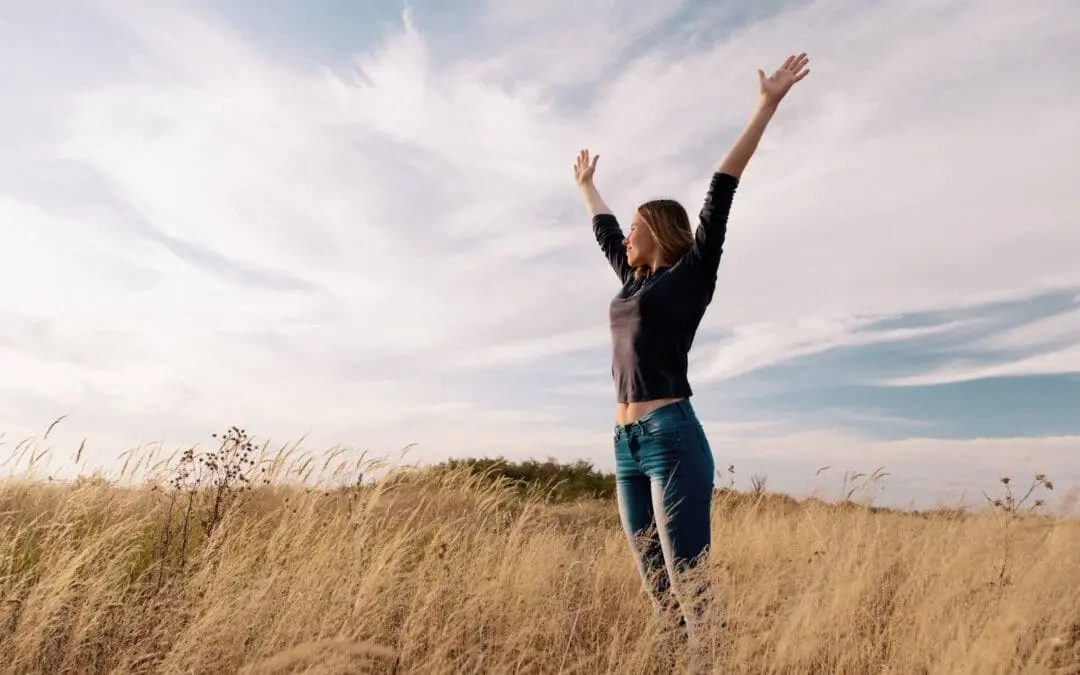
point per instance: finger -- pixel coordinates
(594, 159)
(802, 75)
(801, 62)
(787, 62)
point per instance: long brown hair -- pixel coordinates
(670, 226)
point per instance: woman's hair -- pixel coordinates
(670, 226)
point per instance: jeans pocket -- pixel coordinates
(693, 442)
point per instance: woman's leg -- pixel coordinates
(676, 456)
(634, 496)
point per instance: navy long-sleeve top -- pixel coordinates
(654, 319)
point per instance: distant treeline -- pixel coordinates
(560, 481)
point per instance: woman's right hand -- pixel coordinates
(584, 169)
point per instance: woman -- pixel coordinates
(664, 465)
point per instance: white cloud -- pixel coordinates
(1063, 327)
(755, 346)
(534, 349)
(562, 43)
(420, 211)
(1054, 362)
(1045, 346)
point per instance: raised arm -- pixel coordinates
(772, 90)
(605, 226)
(705, 252)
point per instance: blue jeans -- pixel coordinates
(664, 483)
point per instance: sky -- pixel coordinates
(356, 224)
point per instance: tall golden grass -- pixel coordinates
(451, 572)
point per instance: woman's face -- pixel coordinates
(641, 246)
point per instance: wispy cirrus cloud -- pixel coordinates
(751, 347)
(1047, 345)
(1054, 362)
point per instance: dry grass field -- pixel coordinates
(225, 563)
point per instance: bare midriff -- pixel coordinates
(626, 413)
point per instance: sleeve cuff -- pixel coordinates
(726, 180)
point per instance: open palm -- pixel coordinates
(775, 86)
(584, 169)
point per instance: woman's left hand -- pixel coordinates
(774, 87)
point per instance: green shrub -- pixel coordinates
(561, 482)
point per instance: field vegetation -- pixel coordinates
(243, 558)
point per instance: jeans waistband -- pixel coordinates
(676, 410)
